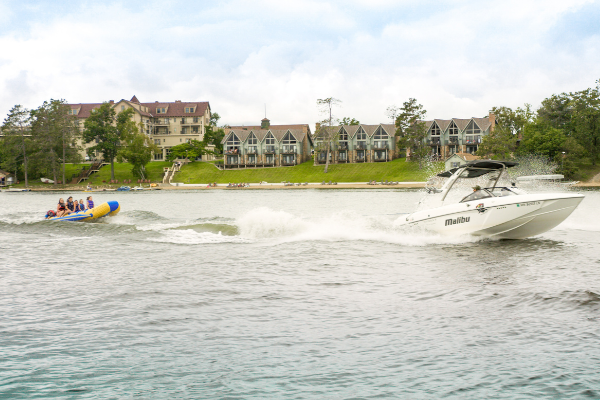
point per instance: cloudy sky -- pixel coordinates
(457, 58)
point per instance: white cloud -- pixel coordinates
(458, 61)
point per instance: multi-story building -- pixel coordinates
(168, 124)
(356, 143)
(266, 145)
(449, 136)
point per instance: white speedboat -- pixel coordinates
(502, 212)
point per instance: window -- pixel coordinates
(161, 110)
(269, 159)
(435, 129)
(158, 156)
(455, 164)
(233, 143)
(122, 108)
(252, 139)
(196, 119)
(381, 138)
(73, 112)
(156, 141)
(270, 142)
(453, 129)
(189, 110)
(289, 143)
(194, 129)
(252, 159)
(473, 129)
(343, 138)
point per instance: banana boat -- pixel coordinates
(110, 208)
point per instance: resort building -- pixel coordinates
(266, 145)
(168, 124)
(449, 136)
(355, 143)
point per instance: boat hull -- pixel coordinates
(513, 217)
(110, 208)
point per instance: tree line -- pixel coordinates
(565, 130)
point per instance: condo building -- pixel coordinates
(167, 124)
(266, 145)
(355, 143)
(450, 136)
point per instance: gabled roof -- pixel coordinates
(134, 99)
(443, 124)
(483, 123)
(461, 124)
(390, 129)
(369, 129)
(277, 127)
(351, 130)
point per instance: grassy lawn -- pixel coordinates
(586, 171)
(70, 169)
(397, 170)
(154, 172)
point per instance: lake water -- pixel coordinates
(291, 294)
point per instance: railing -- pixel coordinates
(435, 141)
(380, 146)
(473, 139)
(289, 149)
(342, 147)
(251, 151)
(270, 150)
(360, 147)
(453, 139)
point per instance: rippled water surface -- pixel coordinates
(289, 294)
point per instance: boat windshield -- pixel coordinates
(489, 192)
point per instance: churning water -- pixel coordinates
(291, 294)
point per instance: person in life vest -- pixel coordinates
(61, 208)
(90, 203)
(70, 204)
(50, 214)
(81, 205)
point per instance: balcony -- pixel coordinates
(435, 141)
(342, 147)
(361, 159)
(360, 146)
(288, 150)
(473, 139)
(380, 146)
(453, 140)
(288, 161)
(270, 150)
(251, 150)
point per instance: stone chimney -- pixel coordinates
(177, 101)
(492, 118)
(317, 127)
(265, 123)
(111, 102)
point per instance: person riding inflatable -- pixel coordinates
(50, 214)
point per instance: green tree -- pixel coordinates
(500, 144)
(585, 120)
(540, 138)
(556, 111)
(411, 130)
(327, 134)
(516, 120)
(213, 134)
(136, 148)
(191, 150)
(349, 121)
(101, 127)
(55, 134)
(15, 129)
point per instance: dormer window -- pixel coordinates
(161, 110)
(190, 110)
(73, 111)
